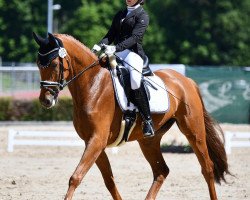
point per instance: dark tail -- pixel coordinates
(215, 145)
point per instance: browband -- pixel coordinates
(45, 59)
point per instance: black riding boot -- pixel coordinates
(142, 104)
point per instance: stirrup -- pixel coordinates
(148, 130)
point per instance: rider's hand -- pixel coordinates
(110, 50)
(96, 48)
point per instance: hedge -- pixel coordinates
(32, 110)
(171, 148)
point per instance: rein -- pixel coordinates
(80, 73)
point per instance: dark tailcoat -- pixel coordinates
(127, 31)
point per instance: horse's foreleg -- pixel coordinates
(105, 168)
(152, 152)
(93, 149)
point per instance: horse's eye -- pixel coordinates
(53, 64)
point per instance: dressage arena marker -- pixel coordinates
(236, 139)
(45, 138)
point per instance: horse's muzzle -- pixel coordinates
(48, 100)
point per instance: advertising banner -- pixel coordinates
(225, 91)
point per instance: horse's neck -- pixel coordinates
(82, 87)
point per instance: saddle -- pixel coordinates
(156, 93)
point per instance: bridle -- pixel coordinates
(59, 85)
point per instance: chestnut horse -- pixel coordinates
(97, 115)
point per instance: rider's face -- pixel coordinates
(131, 2)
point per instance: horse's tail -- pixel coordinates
(215, 145)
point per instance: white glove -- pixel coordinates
(110, 50)
(96, 48)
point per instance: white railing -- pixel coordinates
(45, 138)
(22, 78)
(42, 138)
(236, 139)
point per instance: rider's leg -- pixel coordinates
(143, 106)
(123, 54)
(135, 64)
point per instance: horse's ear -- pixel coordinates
(52, 40)
(39, 40)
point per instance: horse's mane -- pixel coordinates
(66, 37)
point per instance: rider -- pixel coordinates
(127, 31)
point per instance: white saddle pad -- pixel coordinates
(159, 99)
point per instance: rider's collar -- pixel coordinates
(133, 7)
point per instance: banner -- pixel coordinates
(225, 91)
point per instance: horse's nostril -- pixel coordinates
(47, 102)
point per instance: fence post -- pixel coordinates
(11, 136)
(13, 77)
(1, 76)
(29, 80)
(228, 143)
(1, 81)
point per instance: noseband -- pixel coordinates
(60, 52)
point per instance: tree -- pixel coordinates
(193, 32)
(95, 17)
(1, 29)
(18, 19)
(205, 32)
(93, 20)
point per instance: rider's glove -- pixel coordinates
(110, 50)
(96, 48)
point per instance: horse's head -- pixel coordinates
(50, 60)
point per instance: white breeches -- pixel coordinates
(134, 63)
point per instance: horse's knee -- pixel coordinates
(162, 175)
(75, 180)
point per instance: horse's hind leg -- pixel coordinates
(193, 127)
(152, 152)
(105, 168)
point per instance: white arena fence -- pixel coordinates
(45, 138)
(236, 139)
(70, 138)
(42, 138)
(26, 77)
(19, 78)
